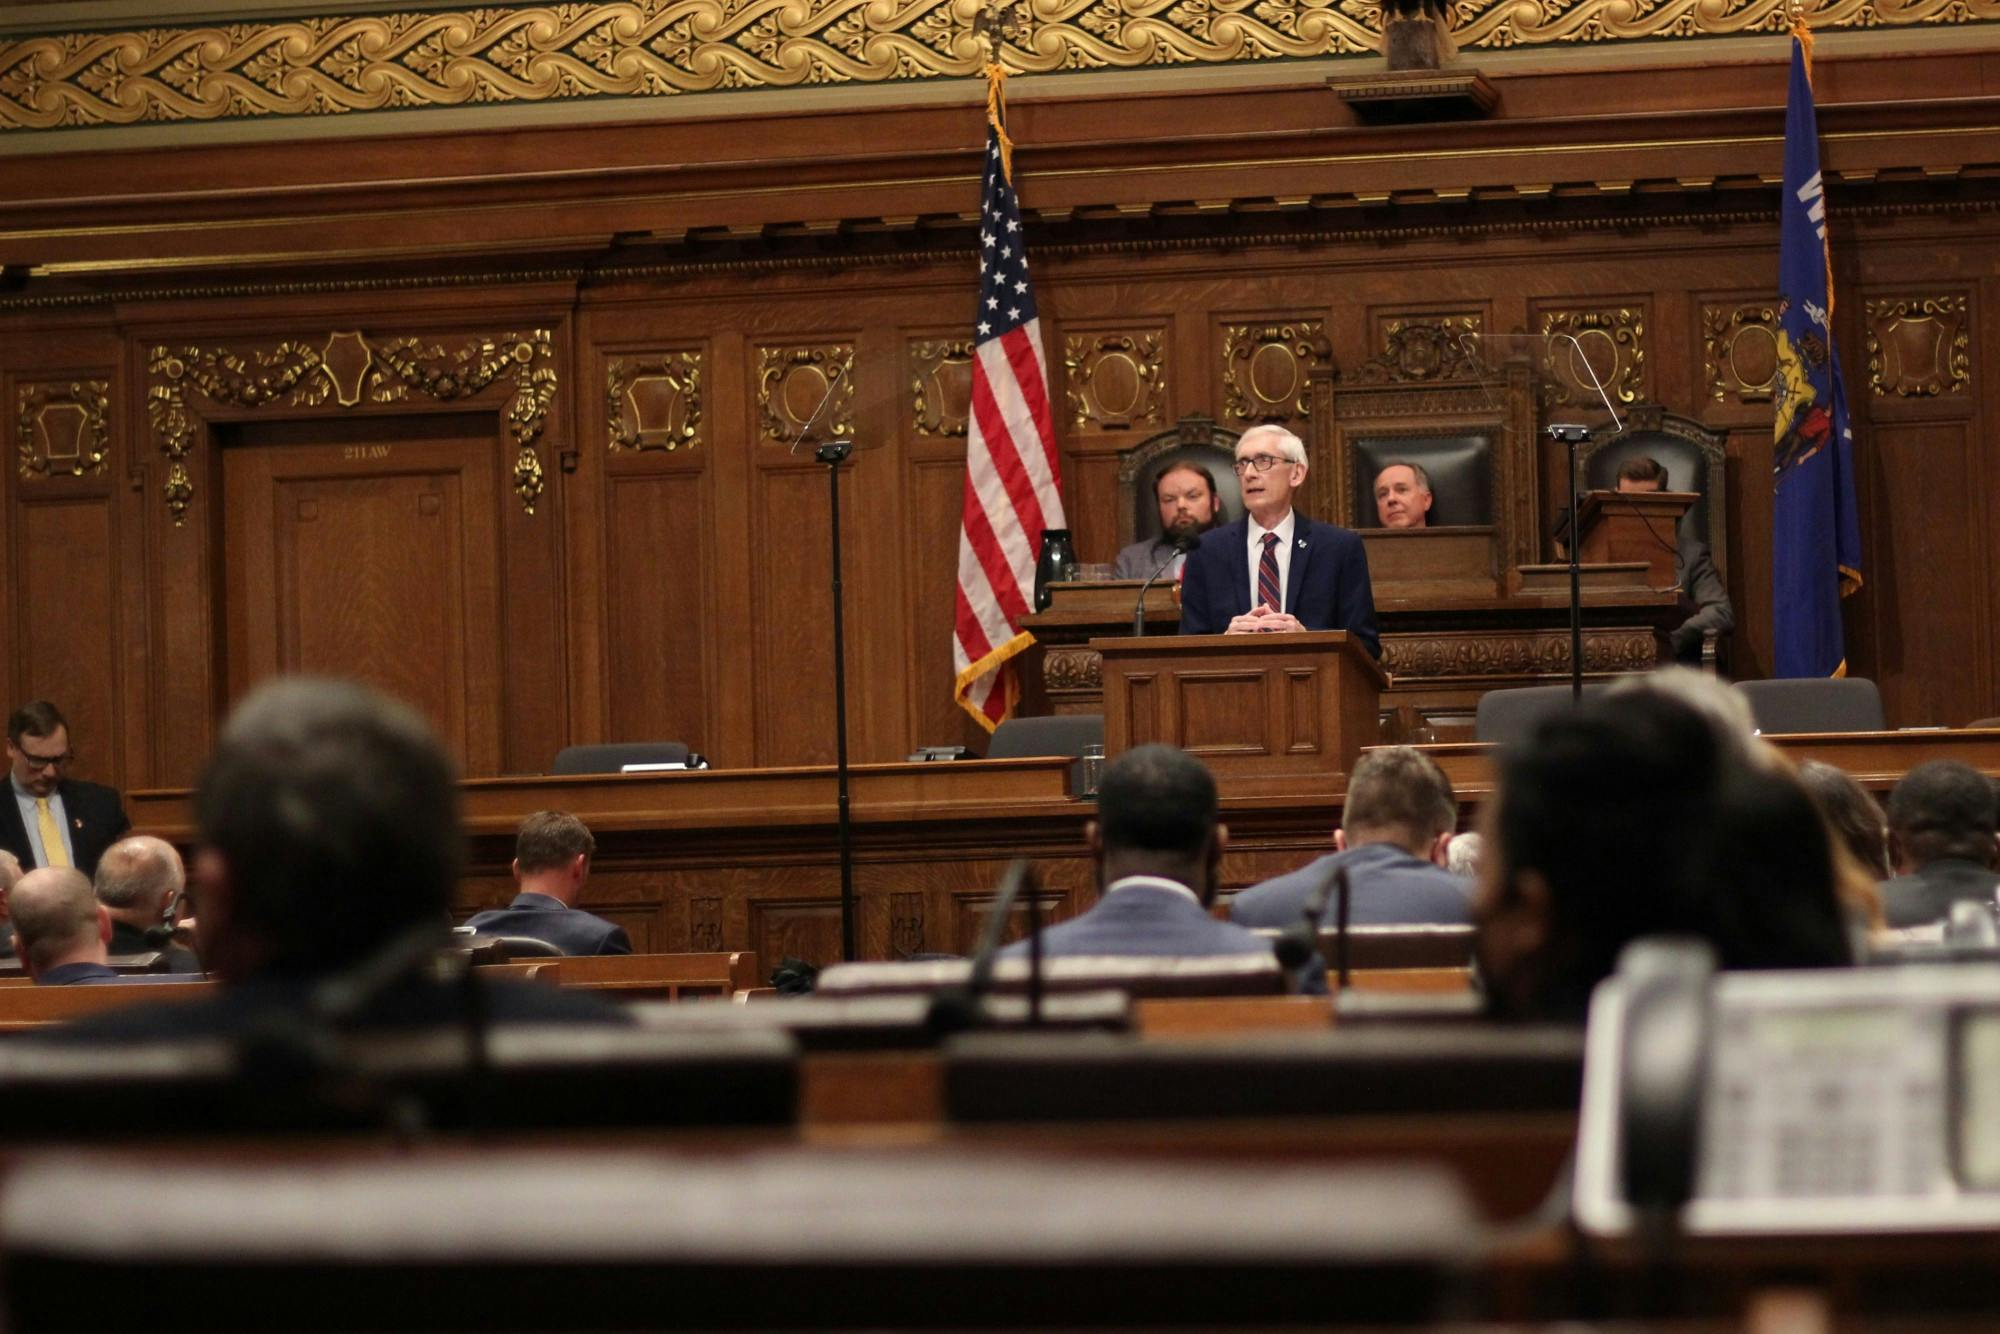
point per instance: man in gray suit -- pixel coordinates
(552, 855)
(1394, 831)
(1704, 600)
(1941, 821)
(1188, 508)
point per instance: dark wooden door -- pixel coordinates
(371, 554)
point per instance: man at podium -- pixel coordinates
(1275, 569)
(1703, 597)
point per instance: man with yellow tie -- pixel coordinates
(54, 820)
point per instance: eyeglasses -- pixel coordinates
(35, 763)
(1260, 462)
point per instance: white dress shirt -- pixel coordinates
(1152, 882)
(1283, 551)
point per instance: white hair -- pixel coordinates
(1289, 447)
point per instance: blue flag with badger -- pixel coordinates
(1815, 537)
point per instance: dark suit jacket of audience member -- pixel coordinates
(539, 917)
(1926, 895)
(1327, 586)
(129, 939)
(1388, 886)
(1704, 599)
(236, 1010)
(98, 974)
(96, 820)
(1143, 917)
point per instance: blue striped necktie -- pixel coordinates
(1268, 592)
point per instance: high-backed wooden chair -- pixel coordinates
(1194, 439)
(1696, 459)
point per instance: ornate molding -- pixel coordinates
(60, 428)
(1116, 380)
(940, 386)
(1461, 655)
(1265, 369)
(526, 54)
(906, 925)
(1919, 347)
(348, 369)
(705, 925)
(1612, 337)
(792, 383)
(1739, 344)
(653, 401)
(1069, 669)
(1417, 350)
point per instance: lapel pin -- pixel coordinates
(77, 823)
(1302, 544)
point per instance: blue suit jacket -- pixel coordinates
(1327, 586)
(1138, 919)
(98, 974)
(571, 930)
(1387, 886)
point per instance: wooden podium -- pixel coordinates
(1271, 715)
(1635, 526)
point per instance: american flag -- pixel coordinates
(1012, 483)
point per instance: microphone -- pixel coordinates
(1298, 944)
(956, 1009)
(1183, 544)
(1345, 893)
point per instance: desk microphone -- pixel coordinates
(1183, 544)
(957, 1009)
(1298, 943)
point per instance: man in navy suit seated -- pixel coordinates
(552, 855)
(61, 931)
(1157, 846)
(1394, 830)
(1275, 569)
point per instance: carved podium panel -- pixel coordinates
(1635, 526)
(1271, 715)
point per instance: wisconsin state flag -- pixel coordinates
(1815, 539)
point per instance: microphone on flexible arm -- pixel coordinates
(1182, 544)
(806, 431)
(956, 1009)
(1298, 944)
(1570, 435)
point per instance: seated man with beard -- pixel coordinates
(1188, 508)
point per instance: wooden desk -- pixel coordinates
(1876, 759)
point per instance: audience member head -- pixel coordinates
(1464, 855)
(57, 920)
(1188, 504)
(1270, 466)
(1156, 816)
(1766, 891)
(328, 826)
(138, 878)
(1942, 809)
(38, 746)
(1725, 710)
(1398, 795)
(1403, 496)
(1588, 845)
(1640, 473)
(552, 855)
(1853, 815)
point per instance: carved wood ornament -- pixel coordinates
(1919, 347)
(349, 368)
(61, 428)
(653, 401)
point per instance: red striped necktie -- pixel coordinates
(1268, 592)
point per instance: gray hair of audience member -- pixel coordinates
(334, 815)
(1463, 855)
(54, 911)
(1290, 448)
(1725, 710)
(1853, 815)
(550, 840)
(1398, 795)
(1156, 799)
(1943, 809)
(142, 873)
(10, 870)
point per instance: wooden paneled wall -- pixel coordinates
(672, 579)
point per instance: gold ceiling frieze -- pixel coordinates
(640, 49)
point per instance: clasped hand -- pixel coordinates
(1263, 620)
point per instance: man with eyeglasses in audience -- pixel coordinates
(54, 820)
(1275, 569)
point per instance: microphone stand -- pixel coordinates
(1571, 436)
(958, 1009)
(1181, 547)
(833, 453)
